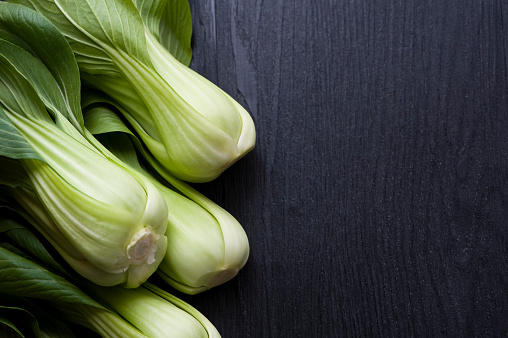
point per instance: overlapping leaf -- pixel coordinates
(171, 23)
(29, 30)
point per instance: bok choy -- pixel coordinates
(157, 313)
(206, 245)
(193, 128)
(105, 220)
(30, 276)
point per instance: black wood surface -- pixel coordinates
(376, 199)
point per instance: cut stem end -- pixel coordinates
(143, 246)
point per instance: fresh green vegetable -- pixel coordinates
(29, 272)
(206, 245)
(207, 325)
(193, 128)
(105, 213)
(148, 304)
(20, 317)
(104, 219)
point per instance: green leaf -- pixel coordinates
(97, 31)
(12, 38)
(171, 23)
(9, 221)
(175, 30)
(102, 119)
(151, 13)
(23, 237)
(22, 277)
(36, 74)
(18, 95)
(24, 117)
(15, 250)
(99, 115)
(89, 56)
(31, 31)
(109, 23)
(13, 144)
(57, 296)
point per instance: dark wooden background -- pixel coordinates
(376, 199)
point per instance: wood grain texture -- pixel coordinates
(376, 199)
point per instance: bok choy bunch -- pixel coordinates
(206, 245)
(105, 220)
(193, 128)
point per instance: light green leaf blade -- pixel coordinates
(175, 30)
(99, 117)
(171, 23)
(110, 23)
(101, 120)
(13, 144)
(151, 13)
(207, 325)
